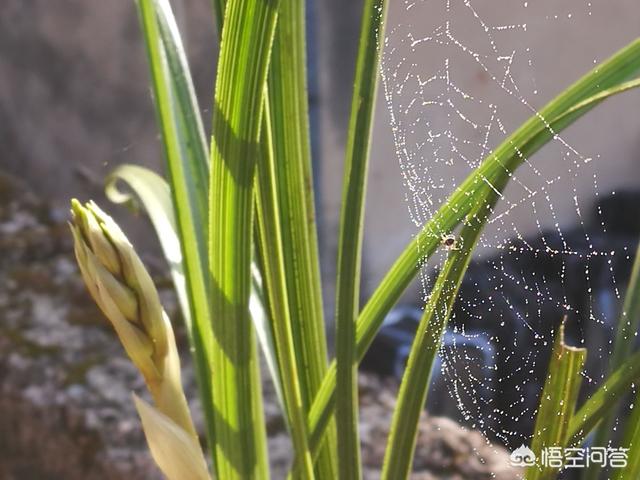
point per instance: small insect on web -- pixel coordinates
(449, 242)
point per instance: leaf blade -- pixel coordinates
(289, 126)
(247, 35)
(350, 237)
(182, 140)
(270, 235)
(557, 404)
(415, 384)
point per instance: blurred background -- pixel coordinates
(75, 102)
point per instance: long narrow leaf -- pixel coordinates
(290, 132)
(603, 400)
(287, 83)
(264, 320)
(350, 239)
(247, 36)
(523, 143)
(557, 403)
(289, 124)
(272, 258)
(189, 120)
(416, 379)
(183, 142)
(261, 318)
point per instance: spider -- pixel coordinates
(449, 242)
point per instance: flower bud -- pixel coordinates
(120, 285)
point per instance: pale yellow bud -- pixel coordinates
(124, 291)
(121, 286)
(95, 237)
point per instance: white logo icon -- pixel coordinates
(522, 457)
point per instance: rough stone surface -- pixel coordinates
(65, 383)
(65, 406)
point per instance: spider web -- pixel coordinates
(458, 77)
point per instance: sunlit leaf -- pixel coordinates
(350, 237)
(186, 157)
(557, 403)
(247, 35)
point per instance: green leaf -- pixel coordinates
(273, 266)
(179, 118)
(186, 156)
(501, 163)
(557, 403)
(195, 161)
(350, 239)
(416, 379)
(259, 314)
(247, 35)
(603, 400)
(267, 328)
(289, 124)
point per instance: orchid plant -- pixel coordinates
(235, 218)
